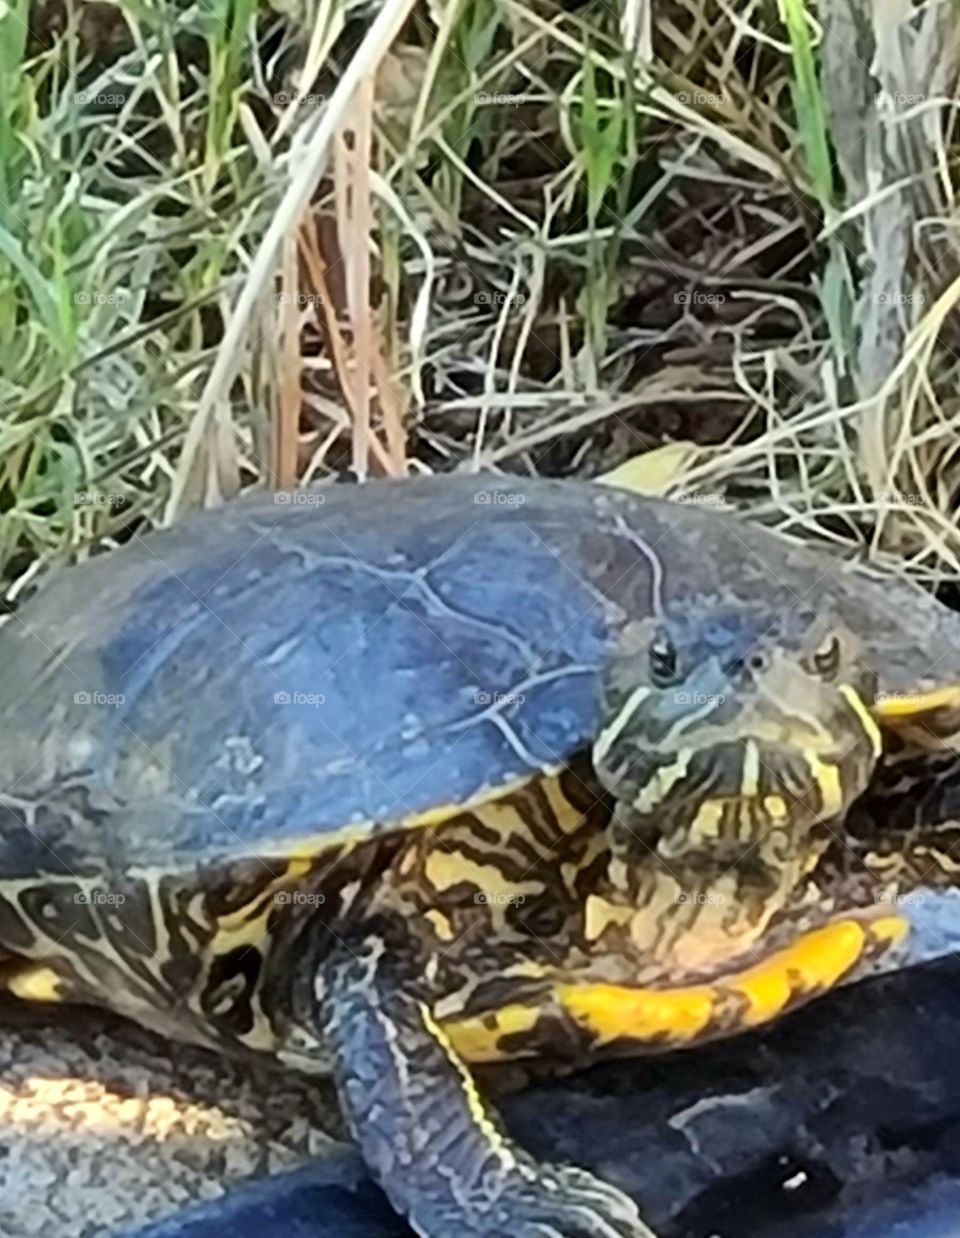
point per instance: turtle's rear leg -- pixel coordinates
(424, 1130)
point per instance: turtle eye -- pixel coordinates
(826, 661)
(663, 660)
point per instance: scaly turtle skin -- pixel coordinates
(314, 780)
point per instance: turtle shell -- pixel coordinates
(291, 670)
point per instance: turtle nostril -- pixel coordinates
(754, 663)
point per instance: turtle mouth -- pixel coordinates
(763, 810)
(731, 792)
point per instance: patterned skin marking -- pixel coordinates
(231, 982)
(545, 975)
(444, 870)
(440, 923)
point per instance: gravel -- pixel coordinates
(103, 1125)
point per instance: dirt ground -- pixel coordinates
(104, 1126)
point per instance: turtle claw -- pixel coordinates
(534, 1201)
(564, 1202)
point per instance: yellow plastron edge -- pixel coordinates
(647, 1019)
(811, 965)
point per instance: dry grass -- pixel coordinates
(242, 246)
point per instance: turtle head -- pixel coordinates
(731, 734)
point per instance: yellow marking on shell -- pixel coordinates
(480, 1037)
(307, 847)
(478, 1110)
(438, 815)
(775, 806)
(663, 781)
(609, 734)
(867, 721)
(815, 962)
(36, 984)
(827, 777)
(709, 818)
(441, 924)
(483, 797)
(599, 914)
(445, 869)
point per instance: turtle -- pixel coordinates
(392, 783)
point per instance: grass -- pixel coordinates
(473, 236)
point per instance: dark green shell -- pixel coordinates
(274, 670)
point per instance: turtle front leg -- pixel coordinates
(436, 1149)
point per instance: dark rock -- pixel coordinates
(843, 1121)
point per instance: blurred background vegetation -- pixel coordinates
(244, 244)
